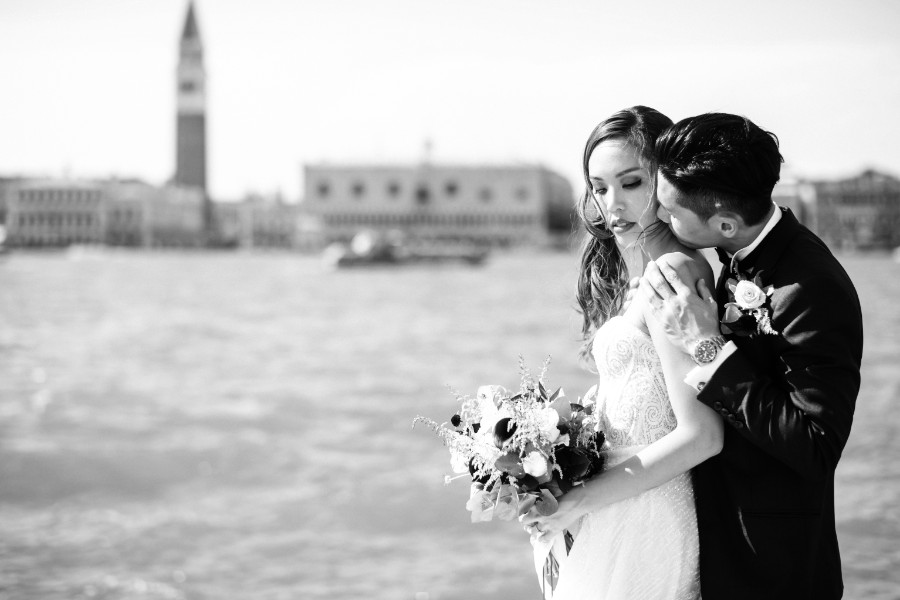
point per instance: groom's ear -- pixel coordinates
(725, 224)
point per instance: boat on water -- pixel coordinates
(368, 248)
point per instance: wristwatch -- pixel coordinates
(705, 351)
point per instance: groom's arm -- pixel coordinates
(801, 414)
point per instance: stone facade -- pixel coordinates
(139, 214)
(58, 213)
(257, 222)
(799, 196)
(51, 213)
(486, 205)
(860, 212)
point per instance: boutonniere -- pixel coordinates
(749, 310)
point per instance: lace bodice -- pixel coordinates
(631, 398)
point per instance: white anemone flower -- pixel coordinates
(488, 397)
(549, 421)
(535, 464)
(458, 462)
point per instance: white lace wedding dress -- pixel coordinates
(644, 547)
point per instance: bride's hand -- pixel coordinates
(546, 527)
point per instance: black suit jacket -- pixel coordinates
(765, 504)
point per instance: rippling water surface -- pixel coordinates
(207, 426)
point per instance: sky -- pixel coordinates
(88, 87)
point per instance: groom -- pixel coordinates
(785, 375)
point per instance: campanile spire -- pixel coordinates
(190, 151)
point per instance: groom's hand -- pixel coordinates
(686, 316)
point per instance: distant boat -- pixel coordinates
(369, 248)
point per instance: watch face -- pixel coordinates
(705, 351)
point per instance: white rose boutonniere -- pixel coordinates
(748, 295)
(749, 310)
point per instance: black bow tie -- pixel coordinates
(723, 257)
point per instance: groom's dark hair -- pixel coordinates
(720, 163)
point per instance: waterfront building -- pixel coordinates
(58, 213)
(127, 216)
(799, 196)
(140, 214)
(190, 133)
(229, 227)
(51, 212)
(257, 222)
(512, 205)
(270, 222)
(861, 212)
(5, 187)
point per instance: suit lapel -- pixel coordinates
(724, 274)
(722, 290)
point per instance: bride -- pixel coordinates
(635, 525)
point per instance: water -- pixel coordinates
(207, 426)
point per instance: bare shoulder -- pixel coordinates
(690, 265)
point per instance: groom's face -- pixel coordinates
(690, 229)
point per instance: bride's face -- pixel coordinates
(622, 189)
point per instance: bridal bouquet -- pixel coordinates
(521, 449)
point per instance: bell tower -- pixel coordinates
(190, 150)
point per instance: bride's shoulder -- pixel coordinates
(690, 264)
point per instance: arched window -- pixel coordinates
(522, 194)
(423, 194)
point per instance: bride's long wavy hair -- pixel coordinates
(603, 278)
